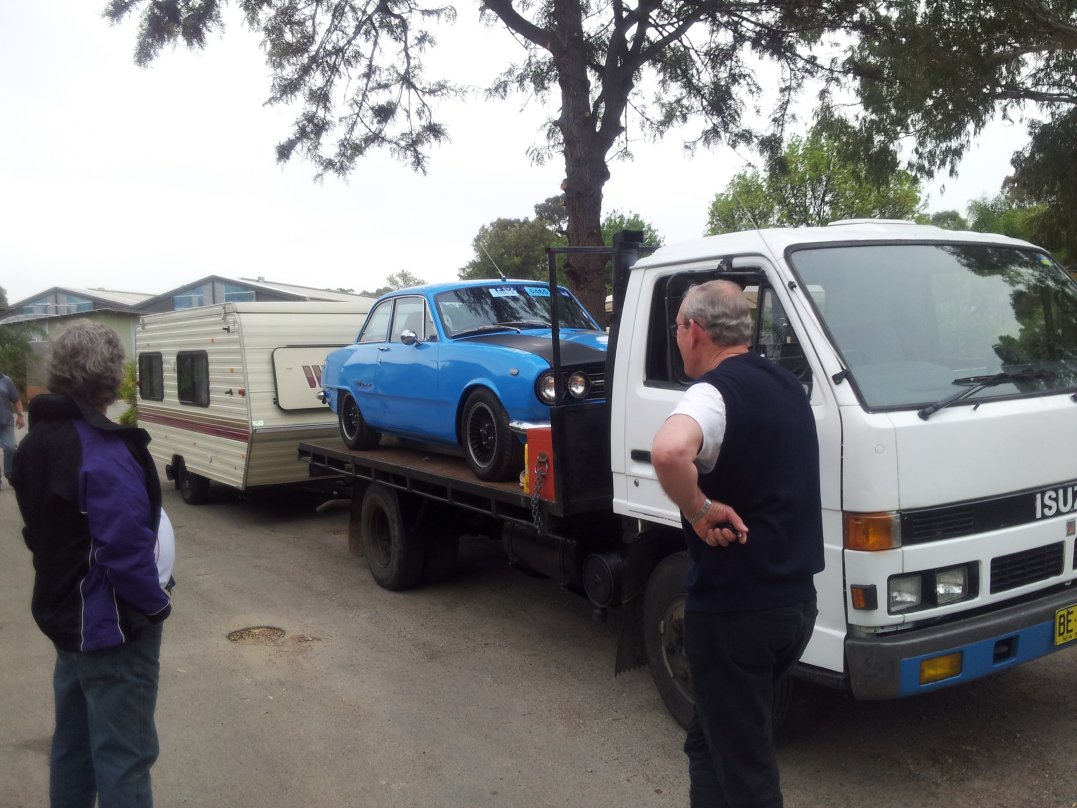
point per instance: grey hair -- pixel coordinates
(86, 362)
(722, 310)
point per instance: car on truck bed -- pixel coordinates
(463, 366)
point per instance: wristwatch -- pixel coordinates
(702, 512)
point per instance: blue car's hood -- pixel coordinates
(577, 347)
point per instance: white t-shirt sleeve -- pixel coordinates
(705, 405)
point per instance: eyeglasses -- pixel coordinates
(673, 329)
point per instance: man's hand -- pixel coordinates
(721, 526)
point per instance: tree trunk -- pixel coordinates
(585, 148)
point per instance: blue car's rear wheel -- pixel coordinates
(353, 429)
(492, 451)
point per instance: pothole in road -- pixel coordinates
(256, 635)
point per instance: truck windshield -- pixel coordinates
(917, 324)
(483, 309)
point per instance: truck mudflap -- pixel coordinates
(890, 666)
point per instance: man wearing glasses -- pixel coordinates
(739, 456)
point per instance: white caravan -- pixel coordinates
(227, 391)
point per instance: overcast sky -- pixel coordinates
(139, 180)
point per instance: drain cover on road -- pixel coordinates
(256, 635)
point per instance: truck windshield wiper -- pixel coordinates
(974, 384)
(485, 329)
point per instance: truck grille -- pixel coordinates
(1026, 567)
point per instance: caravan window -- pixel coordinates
(192, 377)
(151, 377)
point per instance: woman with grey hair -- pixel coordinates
(90, 497)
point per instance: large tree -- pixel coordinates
(356, 70)
(937, 71)
(516, 248)
(814, 181)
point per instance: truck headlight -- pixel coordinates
(951, 584)
(905, 592)
(930, 588)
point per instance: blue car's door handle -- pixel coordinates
(383, 347)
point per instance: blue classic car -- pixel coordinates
(455, 364)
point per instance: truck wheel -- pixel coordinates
(492, 451)
(194, 488)
(353, 429)
(663, 634)
(395, 556)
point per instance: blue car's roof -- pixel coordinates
(436, 288)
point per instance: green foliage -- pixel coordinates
(813, 182)
(403, 280)
(129, 393)
(1005, 214)
(948, 219)
(15, 339)
(517, 247)
(936, 72)
(1045, 176)
(3, 298)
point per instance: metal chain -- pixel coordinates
(542, 467)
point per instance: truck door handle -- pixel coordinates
(640, 455)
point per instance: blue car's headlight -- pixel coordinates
(579, 385)
(546, 388)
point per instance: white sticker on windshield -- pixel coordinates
(537, 291)
(503, 291)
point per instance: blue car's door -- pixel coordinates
(361, 367)
(407, 381)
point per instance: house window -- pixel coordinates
(237, 294)
(151, 377)
(192, 377)
(196, 296)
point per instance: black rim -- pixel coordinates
(349, 417)
(671, 638)
(482, 435)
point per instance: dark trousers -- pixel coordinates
(106, 740)
(737, 661)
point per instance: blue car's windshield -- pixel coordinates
(473, 309)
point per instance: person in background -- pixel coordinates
(743, 434)
(90, 498)
(10, 420)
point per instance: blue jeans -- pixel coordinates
(7, 443)
(105, 740)
(737, 660)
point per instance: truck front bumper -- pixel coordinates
(888, 666)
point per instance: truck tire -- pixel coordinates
(663, 634)
(492, 451)
(353, 429)
(194, 488)
(394, 554)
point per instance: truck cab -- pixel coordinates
(941, 368)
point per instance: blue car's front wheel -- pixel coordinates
(492, 451)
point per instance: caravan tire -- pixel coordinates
(394, 554)
(353, 429)
(194, 488)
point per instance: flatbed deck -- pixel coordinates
(429, 474)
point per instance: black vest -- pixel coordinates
(768, 471)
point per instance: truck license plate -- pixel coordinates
(1066, 625)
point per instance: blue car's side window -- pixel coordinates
(377, 326)
(410, 316)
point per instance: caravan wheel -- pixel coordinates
(194, 488)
